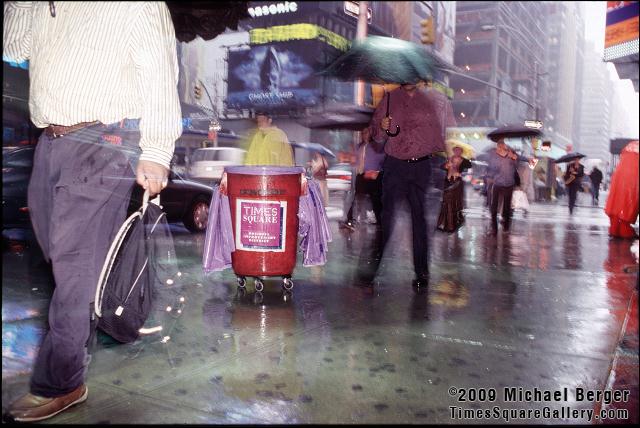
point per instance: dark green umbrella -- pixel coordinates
(382, 60)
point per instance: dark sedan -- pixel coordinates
(16, 170)
(183, 200)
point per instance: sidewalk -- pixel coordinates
(547, 307)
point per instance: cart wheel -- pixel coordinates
(257, 298)
(242, 282)
(287, 283)
(259, 284)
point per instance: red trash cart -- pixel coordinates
(264, 213)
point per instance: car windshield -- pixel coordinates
(229, 155)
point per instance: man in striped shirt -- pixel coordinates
(103, 84)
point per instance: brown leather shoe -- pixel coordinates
(30, 408)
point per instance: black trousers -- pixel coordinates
(573, 195)
(501, 193)
(402, 181)
(372, 189)
(595, 193)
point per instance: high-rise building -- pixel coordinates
(502, 44)
(564, 35)
(596, 107)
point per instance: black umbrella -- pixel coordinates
(569, 157)
(513, 131)
(314, 147)
(206, 19)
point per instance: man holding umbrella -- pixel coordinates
(573, 180)
(501, 171)
(422, 114)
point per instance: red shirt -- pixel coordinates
(422, 118)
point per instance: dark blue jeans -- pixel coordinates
(78, 196)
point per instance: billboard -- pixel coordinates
(275, 75)
(621, 32)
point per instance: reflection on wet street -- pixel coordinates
(548, 305)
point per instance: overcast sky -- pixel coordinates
(595, 21)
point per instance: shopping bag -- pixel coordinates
(519, 200)
(141, 259)
(218, 241)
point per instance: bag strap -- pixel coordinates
(110, 259)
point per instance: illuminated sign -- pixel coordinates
(283, 33)
(279, 75)
(621, 32)
(273, 9)
(352, 8)
(535, 124)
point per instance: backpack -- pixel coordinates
(140, 260)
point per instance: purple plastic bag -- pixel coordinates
(313, 229)
(218, 241)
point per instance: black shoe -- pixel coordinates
(420, 284)
(347, 225)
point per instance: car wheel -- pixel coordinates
(197, 215)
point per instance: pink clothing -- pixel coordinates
(422, 118)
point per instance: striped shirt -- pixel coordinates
(103, 61)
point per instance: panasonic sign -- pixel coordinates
(273, 9)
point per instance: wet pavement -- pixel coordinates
(551, 306)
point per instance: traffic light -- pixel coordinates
(427, 35)
(198, 92)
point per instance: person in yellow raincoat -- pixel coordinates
(268, 145)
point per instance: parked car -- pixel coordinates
(339, 177)
(208, 163)
(183, 200)
(17, 163)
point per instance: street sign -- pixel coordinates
(535, 124)
(352, 8)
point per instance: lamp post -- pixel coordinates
(536, 73)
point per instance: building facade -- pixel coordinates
(596, 107)
(501, 43)
(564, 34)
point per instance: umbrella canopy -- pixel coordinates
(340, 116)
(569, 157)
(314, 147)
(513, 131)
(382, 60)
(468, 151)
(206, 19)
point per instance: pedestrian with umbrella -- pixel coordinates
(502, 172)
(451, 217)
(410, 122)
(596, 179)
(572, 176)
